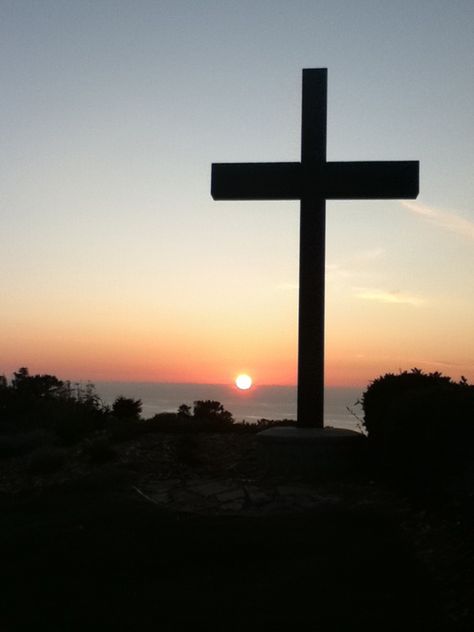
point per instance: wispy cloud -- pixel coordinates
(355, 265)
(446, 219)
(384, 296)
(336, 271)
(369, 255)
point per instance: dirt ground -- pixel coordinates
(172, 531)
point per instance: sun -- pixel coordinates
(244, 382)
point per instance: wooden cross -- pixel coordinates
(313, 181)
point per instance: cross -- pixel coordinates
(313, 181)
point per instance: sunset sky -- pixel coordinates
(115, 262)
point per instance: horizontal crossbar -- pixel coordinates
(331, 180)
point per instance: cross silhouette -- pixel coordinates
(313, 181)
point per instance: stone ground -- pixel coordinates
(178, 531)
(205, 473)
(232, 497)
(228, 475)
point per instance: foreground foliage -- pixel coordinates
(421, 426)
(33, 402)
(41, 410)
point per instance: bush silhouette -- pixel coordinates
(212, 411)
(43, 401)
(125, 408)
(207, 416)
(184, 411)
(420, 423)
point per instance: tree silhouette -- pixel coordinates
(184, 411)
(212, 410)
(36, 386)
(125, 408)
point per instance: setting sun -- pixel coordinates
(244, 382)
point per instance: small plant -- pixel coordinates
(164, 422)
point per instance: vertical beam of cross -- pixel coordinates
(313, 181)
(310, 398)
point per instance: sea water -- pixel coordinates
(269, 402)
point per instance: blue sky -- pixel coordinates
(116, 262)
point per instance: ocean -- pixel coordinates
(270, 402)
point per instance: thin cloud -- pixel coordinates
(447, 220)
(334, 270)
(369, 255)
(354, 266)
(384, 296)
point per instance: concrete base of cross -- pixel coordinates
(293, 451)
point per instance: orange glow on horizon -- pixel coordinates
(125, 346)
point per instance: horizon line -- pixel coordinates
(230, 384)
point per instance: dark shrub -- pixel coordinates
(32, 402)
(73, 420)
(208, 416)
(210, 410)
(166, 422)
(264, 424)
(184, 411)
(420, 423)
(125, 408)
(121, 430)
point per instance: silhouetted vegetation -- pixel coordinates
(421, 427)
(184, 411)
(125, 408)
(32, 403)
(39, 410)
(211, 410)
(206, 416)
(264, 424)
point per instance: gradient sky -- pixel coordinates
(115, 262)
